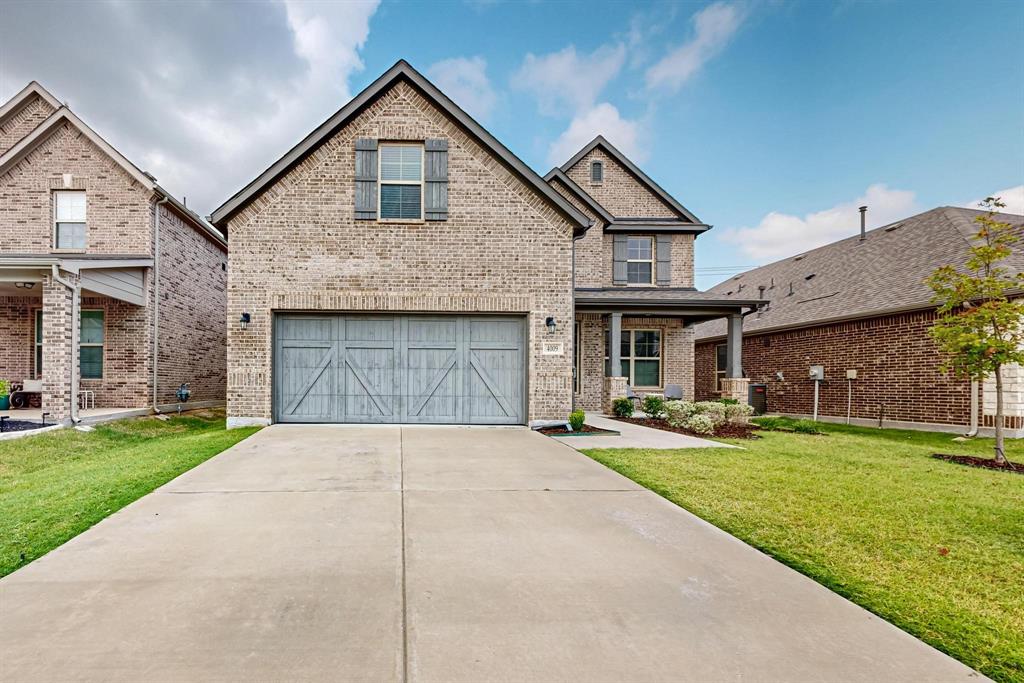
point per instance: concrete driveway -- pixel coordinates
(428, 554)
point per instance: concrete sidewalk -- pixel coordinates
(428, 554)
(635, 436)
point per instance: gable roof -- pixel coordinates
(33, 89)
(402, 70)
(41, 132)
(633, 169)
(881, 275)
(580, 194)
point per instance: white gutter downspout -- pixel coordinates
(974, 410)
(76, 299)
(156, 299)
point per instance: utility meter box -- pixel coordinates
(851, 374)
(817, 373)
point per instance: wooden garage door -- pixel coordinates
(399, 368)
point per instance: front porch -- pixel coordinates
(656, 343)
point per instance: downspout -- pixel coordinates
(156, 299)
(76, 294)
(974, 410)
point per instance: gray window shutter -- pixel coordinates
(435, 189)
(366, 179)
(619, 243)
(663, 252)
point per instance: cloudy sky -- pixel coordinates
(771, 119)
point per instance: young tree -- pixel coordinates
(980, 327)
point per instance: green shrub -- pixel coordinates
(5, 387)
(715, 410)
(622, 407)
(576, 419)
(654, 406)
(727, 401)
(701, 423)
(678, 412)
(738, 413)
(787, 424)
(806, 427)
(770, 424)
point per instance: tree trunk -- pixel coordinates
(1000, 453)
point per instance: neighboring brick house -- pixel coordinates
(401, 265)
(861, 304)
(108, 284)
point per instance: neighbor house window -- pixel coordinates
(90, 345)
(39, 344)
(641, 357)
(596, 172)
(401, 181)
(721, 363)
(69, 219)
(639, 260)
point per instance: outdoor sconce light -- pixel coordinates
(550, 322)
(244, 320)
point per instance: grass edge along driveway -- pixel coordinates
(54, 486)
(934, 547)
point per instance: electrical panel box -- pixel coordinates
(851, 374)
(817, 373)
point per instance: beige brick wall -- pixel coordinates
(24, 121)
(620, 193)
(117, 207)
(677, 354)
(126, 370)
(16, 336)
(298, 247)
(193, 331)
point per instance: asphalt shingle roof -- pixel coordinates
(853, 278)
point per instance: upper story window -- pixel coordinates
(639, 260)
(596, 172)
(401, 181)
(69, 219)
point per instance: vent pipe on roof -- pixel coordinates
(863, 216)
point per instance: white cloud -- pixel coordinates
(603, 119)
(465, 81)
(566, 81)
(779, 234)
(714, 26)
(1013, 197)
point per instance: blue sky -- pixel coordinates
(771, 120)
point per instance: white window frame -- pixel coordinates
(599, 164)
(57, 221)
(102, 345)
(631, 358)
(37, 345)
(577, 382)
(720, 373)
(381, 182)
(652, 260)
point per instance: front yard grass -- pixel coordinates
(54, 486)
(934, 547)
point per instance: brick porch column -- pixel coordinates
(58, 353)
(734, 384)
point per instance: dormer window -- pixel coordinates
(69, 219)
(596, 172)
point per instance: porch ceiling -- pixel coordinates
(686, 303)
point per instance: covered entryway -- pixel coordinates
(449, 369)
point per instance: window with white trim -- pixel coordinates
(641, 357)
(721, 363)
(576, 358)
(90, 345)
(401, 181)
(596, 172)
(69, 219)
(640, 260)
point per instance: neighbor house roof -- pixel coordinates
(687, 218)
(849, 279)
(64, 115)
(400, 71)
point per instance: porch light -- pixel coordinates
(244, 320)
(550, 322)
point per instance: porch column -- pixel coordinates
(735, 385)
(614, 382)
(60, 357)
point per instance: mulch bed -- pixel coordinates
(975, 461)
(726, 431)
(562, 431)
(21, 425)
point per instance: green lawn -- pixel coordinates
(55, 486)
(934, 547)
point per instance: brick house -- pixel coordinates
(860, 305)
(401, 265)
(112, 292)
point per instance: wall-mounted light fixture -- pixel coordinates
(244, 320)
(550, 322)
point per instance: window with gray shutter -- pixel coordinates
(366, 179)
(619, 259)
(663, 252)
(435, 200)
